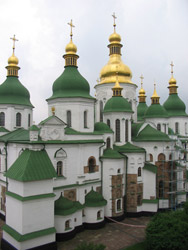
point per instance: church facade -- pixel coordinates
(92, 158)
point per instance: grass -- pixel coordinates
(138, 246)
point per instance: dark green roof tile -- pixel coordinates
(94, 199)
(129, 148)
(31, 166)
(141, 109)
(117, 104)
(16, 135)
(102, 127)
(111, 154)
(175, 106)
(150, 167)
(155, 111)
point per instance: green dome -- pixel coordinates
(117, 104)
(13, 92)
(70, 84)
(156, 110)
(94, 199)
(141, 109)
(63, 206)
(175, 106)
(102, 127)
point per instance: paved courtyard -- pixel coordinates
(113, 236)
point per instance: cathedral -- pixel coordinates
(93, 158)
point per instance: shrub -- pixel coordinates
(90, 246)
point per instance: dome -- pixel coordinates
(141, 109)
(117, 104)
(175, 106)
(172, 80)
(114, 38)
(64, 206)
(70, 84)
(13, 60)
(13, 92)
(156, 110)
(71, 48)
(102, 127)
(94, 199)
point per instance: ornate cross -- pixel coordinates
(114, 16)
(141, 77)
(172, 65)
(72, 26)
(14, 40)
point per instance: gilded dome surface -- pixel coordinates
(71, 48)
(114, 38)
(13, 60)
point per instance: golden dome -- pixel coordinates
(142, 91)
(114, 38)
(13, 60)
(71, 48)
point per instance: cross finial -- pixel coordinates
(141, 77)
(172, 65)
(114, 16)
(14, 40)
(72, 26)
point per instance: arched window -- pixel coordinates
(108, 123)
(91, 164)
(69, 118)
(177, 128)
(59, 168)
(126, 130)
(101, 111)
(161, 157)
(150, 157)
(29, 120)
(67, 224)
(117, 130)
(2, 119)
(139, 171)
(99, 215)
(108, 142)
(159, 126)
(18, 120)
(161, 189)
(85, 119)
(119, 204)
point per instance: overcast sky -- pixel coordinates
(153, 32)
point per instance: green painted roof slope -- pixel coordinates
(70, 84)
(150, 167)
(156, 110)
(129, 148)
(34, 128)
(141, 109)
(2, 129)
(135, 127)
(13, 92)
(151, 134)
(71, 131)
(175, 106)
(117, 104)
(102, 127)
(94, 199)
(64, 206)
(16, 135)
(31, 166)
(111, 154)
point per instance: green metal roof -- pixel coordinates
(71, 131)
(94, 199)
(16, 135)
(4, 130)
(150, 134)
(175, 106)
(70, 84)
(50, 118)
(135, 127)
(170, 131)
(156, 110)
(102, 127)
(129, 148)
(150, 167)
(111, 154)
(117, 104)
(141, 109)
(64, 206)
(13, 92)
(31, 166)
(34, 128)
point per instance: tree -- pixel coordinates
(168, 231)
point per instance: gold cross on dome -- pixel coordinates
(114, 16)
(172, 65)
(72, 26)
(14, 40)
(141, 77)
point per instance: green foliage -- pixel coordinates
(168, 231)
(138, 246)
(90, 246)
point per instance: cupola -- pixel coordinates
(108, 72)
(142, 106)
